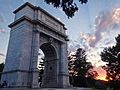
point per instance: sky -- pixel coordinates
(94, 26)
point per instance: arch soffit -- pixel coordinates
(53, 46)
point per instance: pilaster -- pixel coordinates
(63, 68)
(34, 59)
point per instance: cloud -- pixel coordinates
(72, 46)
(1, 19)
(105, 23)
(25, 1)
(102, 22)
(87, 38)
(31, 1)
(2, 22)
(101, 72)
(106, 27)
(1, 54)
(2, 30)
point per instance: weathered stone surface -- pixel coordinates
(32, 29)
(46, 89)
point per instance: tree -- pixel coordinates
(92, 74)
(1, 69)
(68, 6)
(81, 64)
(78, 67)
(111, 56)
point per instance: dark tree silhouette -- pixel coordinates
(81, 64)
(1, 69)
(68, 6)
(111, 56)
(79, 67)
(92, 74)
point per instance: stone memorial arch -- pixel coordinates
(33, 29)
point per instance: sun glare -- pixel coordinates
(101, 72)
(102, 78)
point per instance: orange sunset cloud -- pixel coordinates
(101, 72)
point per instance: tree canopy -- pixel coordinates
(68, 6)
(111, 56)
(80, 70)
(78, 65)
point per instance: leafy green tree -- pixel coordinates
(111, 56)
(68, 6)
(1, 68)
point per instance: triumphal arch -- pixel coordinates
(33, 29)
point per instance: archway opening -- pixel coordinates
(40, 66)
(47, 65)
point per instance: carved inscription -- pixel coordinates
(51, 22)
(47, 31)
